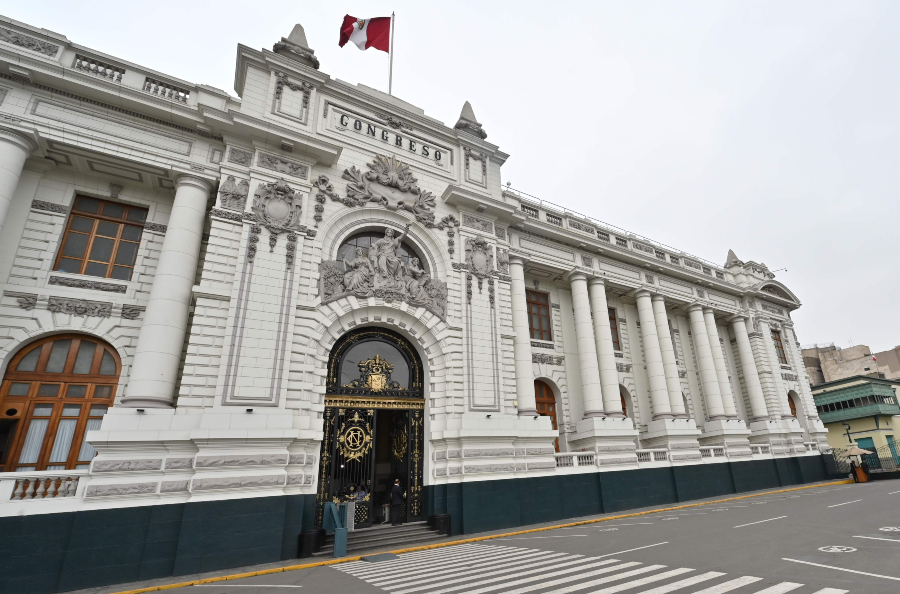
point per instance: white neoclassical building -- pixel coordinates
(241, 307)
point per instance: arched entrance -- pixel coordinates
(54, 391)
(373, 425)
(546, 404)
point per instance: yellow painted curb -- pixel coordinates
(237, 576)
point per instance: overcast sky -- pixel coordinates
(770, 128)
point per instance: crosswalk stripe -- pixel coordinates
(430, 554)
(509, 564)
(480, 554)
(614, 577)
(543, 584)
(449, 557)
(730, 585)
(465, 573)
(703, 577)
(516, 571)
(470, 562)
(831, 591)
(641, 582)
(781, 588)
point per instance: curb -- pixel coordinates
(238, 576)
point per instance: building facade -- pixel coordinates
(249, 307)
(827, 363)
(860, 410)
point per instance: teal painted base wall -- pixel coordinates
(502, 504)
(51, 553)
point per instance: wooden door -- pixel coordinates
(546, 403)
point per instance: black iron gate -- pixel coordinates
(347, 468)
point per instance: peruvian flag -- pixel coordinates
(366, 33)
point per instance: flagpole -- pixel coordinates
(391, 72)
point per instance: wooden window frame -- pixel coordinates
(779, 347)
(25, 404)
(92, 235)
(614, 329)
(544, 394)
(533, 297)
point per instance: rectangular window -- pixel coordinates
(101, 239)
(539, 315)
(614, 329)
(779, 347)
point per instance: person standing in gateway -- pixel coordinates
(396, 502)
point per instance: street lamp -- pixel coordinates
(847, 428)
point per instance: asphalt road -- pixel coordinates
(825, 540)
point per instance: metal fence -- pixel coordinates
(883, 459)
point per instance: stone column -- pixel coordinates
(809, 402)
(708, 377)
(758, 411)
(14, 149)
(719, 361)
(522, 342)
(606, 357)
(587, 350)
(656, 374)
(158, 352)
(670, 367)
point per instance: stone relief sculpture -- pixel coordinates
(503, 260)
(381, 272)
(479, 258)
(233, 195)
(391, 184)
(277, 208)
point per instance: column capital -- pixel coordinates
(20, 138)
(641, 293)
(576, 274)
(597, 280)
(187, 179)
(738, 317)
(695, 306)
(657, 297)
(517, 259)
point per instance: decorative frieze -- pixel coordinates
(28, 42)
(27, 302)
(484, 468)
(49, 206)
(676, 457)
(131, 312)
(155, 228)
(179, 463)
(78, 283)
(789, 377)
(126, 465)
(282, 165)
(240, 157)
(611, 461)
(625, 447)
(623, 367)
(682, 373)
(539, 451)
(79, 307)
(547, 359)
(488, 453)
(237, 482)
(500, 232)
(120, 490)
(581, 227)
(477, 223)
(224, 214)
(174, 486)
(241, 460)
(545, 465)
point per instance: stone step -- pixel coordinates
(383, 543)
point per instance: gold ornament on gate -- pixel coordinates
(375, 376)
(398, 447)
(354, 442)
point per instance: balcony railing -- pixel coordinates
(98, 68)
(166, 90)
(652, 455)
(45, 484)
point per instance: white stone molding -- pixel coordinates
(522, 340)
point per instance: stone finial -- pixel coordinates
(468, 124)
(295, 47)
(733, 260)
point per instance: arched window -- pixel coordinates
(53, 392)
(375, 362)
(546, 403)
(792, 405)
(365, 239)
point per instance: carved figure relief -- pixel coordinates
(277, 207)
(380, 272)
(79, 307)
(503, 260)
(276, 163)
(479, 258)
(375, 375)
(233, 194)
(324, 189)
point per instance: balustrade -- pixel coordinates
(49, 486)
(98, 68)
(166, 90)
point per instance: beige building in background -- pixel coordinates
(828, 363)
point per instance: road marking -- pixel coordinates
(760, 522)
(893, 492)
(731, 585)
(683, 583)
(626, 585)
(416, 571)
(543, 584)
(831, 591)
(404, 581)
(887, 577)
(642, 524)
(243, 586)
(837, 549)
(890, 529)
(536, 537)
(845, 503)
(629, 550)
(874, 538)
(781, 588)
